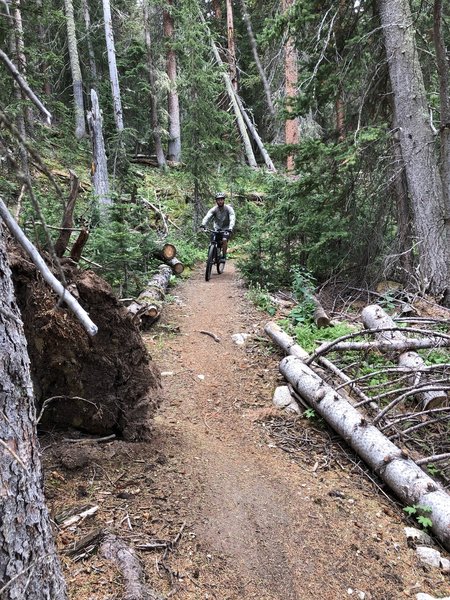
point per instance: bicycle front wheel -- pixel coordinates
(220, 264)
(209, 262)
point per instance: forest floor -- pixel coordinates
(245, 501)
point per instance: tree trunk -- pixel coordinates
(257, 60)
(374, 317)
(173, 107)
(417, 144)
(99, 169)
(231, 46)
(113, 74)
(152, 95)
(77, 81)
(29, 566)
(290, 87)
(176, 265)
(92, 63)
(444, 91)
(402, 475)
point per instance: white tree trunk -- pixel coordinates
(92, 63)
(113, 74)
(173, 105)
(417, 143)
(100, 180)
(402, 475)
(77, 81)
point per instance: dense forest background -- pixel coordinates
(334, 114)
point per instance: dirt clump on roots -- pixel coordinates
(102, 385)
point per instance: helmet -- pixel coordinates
(220, 196)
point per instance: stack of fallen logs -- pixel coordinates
(146, 308)
(354, 420)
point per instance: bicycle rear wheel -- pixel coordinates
(209, 262)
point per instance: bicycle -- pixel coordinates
(215, 256)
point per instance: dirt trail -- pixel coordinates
(260, 522)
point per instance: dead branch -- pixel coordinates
(67, 220)
(433, 459)
(213, 335)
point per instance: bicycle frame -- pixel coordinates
(214, 254)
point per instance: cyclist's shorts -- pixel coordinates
(226, 235)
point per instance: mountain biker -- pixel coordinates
(224, 220)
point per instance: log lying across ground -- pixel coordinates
(374, 317)
(146, 309)
(406, 479)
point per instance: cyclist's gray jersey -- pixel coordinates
(224, 218)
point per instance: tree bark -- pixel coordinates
(99, 169)
(92, 62)
(417, 144)
(156, 130)
(444, 91)
(29, 566)
(176, 265)
(147, 306)
(113, 74)
(77, 81)
(67, 220)
(173, 105)
(231, 46)
(290, 86)
(402, 475)
(375, 317)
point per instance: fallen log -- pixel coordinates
(176, 265)
(406, 479)
(374, 317)
(321, 319)
(146, 309)
(166, 251)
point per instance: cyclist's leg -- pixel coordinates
(225, 238)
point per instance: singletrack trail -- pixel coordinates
(257, 521)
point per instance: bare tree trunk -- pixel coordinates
(47, 88)
(444, 91)
(173, 106)
(22, 61)
(258, 63)
(113, 74)
(99, 173)
(231, 46)
(152, 95)
(29, 566)
(417, 144)
(92, 63)
(291, 79)
(77, 81)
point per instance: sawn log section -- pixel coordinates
(147, 307)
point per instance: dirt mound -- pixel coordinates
(101, 385)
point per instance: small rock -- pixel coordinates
(201, 377)
(417, 535)
(422, 596)
(240, 338)
(433, 558)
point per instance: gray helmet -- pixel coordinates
(220, 196)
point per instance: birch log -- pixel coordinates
(374, 317)
(401, 474)
(176, 265)
(147, 306)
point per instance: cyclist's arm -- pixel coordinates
(232, 216)
(209, 215)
